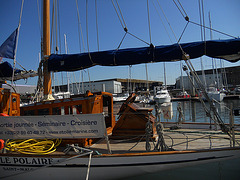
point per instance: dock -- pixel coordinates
(232, 97)
(185, 99)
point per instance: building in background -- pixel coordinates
(227, 78)
(114, 86)
(21, 89)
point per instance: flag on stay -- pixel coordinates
(7, 49)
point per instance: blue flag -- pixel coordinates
(7, 49)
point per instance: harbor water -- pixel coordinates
(193, 111)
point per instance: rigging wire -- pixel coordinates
(124, 25)
(52, 37)
(39, 19)
(138, 38)
(162, 22)
(121, 14)
(220, 32)
(90, 57)
(216, 117)
(204, 29)
(56, 29)
(185, 16)
(58, 15)
(97, 24)
(167, 21)
(203, 38)
(15, 50)
(149, 24)
(87, 28)
(80, 32)
(118, 15)
(181, 9)
(215, 75)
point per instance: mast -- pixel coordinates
(165, 79)
(181, 66)
(47, 82)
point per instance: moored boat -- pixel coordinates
(162, 96)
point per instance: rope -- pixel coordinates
(33, 146)
(148, 134)
(89, 163)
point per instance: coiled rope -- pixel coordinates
(33, 146)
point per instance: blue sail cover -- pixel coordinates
(6, 70)
(224, 49)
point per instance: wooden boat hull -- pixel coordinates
(106, 166)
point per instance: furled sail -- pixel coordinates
(6, 71)
(225, 49)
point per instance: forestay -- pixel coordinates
(54, 126)
(225, 49)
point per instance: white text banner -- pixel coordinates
(55, 126)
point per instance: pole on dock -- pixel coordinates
(231, 126)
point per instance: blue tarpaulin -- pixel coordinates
(6, 70)
(224, 49)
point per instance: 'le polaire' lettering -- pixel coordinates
(26, 161)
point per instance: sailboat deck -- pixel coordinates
(181, 139)
(177, 140)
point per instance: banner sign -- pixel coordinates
(52, 126)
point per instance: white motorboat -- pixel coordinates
(162, 96)
(213, 93)
(120, 97)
